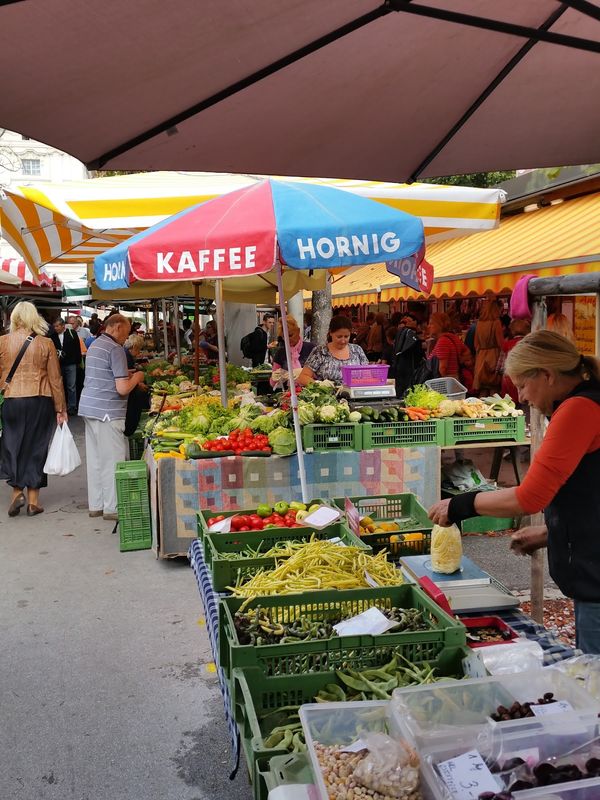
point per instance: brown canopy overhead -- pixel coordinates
(379, 89)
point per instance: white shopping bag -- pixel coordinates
(63, 456)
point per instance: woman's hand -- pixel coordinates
(527, 540)
(438, 513)
(61, 416)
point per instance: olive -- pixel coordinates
(593, 766)
(512, 763)
(544, 773)
(519, 785)
(487, 796)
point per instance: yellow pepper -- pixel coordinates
(171, 454)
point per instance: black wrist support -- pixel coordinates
(462, 507)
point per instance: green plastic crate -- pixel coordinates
(253, 695)
(136, 447)
(225, 572)
(403, 434)
(464, 430)
(406, 511)
(339, 652)
(204, 515)
(133, 505)
(343, 436)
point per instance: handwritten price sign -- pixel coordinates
(467, 776)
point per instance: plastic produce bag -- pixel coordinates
(390, 768)
(517, 656)
(446, 549)
(63, 456)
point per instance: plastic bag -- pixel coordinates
(446, 549)
(63, 456)
(584, 669)
(516, 656)
(391, 767)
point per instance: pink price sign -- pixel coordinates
(352, 517)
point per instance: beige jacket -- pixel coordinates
(38, 374)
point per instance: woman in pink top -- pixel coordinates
(300, 351)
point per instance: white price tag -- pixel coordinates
(467, 776)
(371, 581)
(371, 621)
(559, 707)
(473, 666)
(479, 425)
(355, 747)
(223, 526)
(324, 515)
(337, 540)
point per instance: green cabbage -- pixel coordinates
(283, 441)
(306, 413)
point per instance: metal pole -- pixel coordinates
(176, 323)
(196, 333)
(292, 383)
(220, 314)
(537, 434)
(165, 336)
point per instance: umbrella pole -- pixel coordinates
(292, 384)
(220, 314)
(196, 333)
(165, 335)
(176, 322)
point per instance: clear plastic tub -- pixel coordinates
(342, 724)
(573, 742)
(434, 712)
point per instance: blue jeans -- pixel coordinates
(69, 372)
(587, 626)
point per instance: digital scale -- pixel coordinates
(385, 390)
(469, 589)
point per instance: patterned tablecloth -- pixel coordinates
(180, 488)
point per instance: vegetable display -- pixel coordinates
(321, 565)
(239, 441)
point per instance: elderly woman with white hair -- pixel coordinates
(34, 403)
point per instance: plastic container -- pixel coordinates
(465, 429)
(133, 505)
(434, 714)
(572, 741)
(365, 374)
(472, 623)
(205, 515)
(403, 434)
(342, 724)
(225, 572)
(290, 770)
(408, 514)
(253, 696)
(453, 389)
(339, 652)
(342, 436)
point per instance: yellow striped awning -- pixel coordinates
(74, 221)
(557, 240)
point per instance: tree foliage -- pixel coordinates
(482, 180)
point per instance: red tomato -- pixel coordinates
(219, 517)
(243, 519)
(291, 512)
(266, 449)
(244, 528)
(235, 524)
(211, 521)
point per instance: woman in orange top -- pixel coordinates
(563, 480)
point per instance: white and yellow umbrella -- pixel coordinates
(74, 221)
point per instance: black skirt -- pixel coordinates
(28, 424)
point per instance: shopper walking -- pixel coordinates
(254, 344)
(68, 348)
(551, 375)
(103, 406)
(376, 338)
(34, 403)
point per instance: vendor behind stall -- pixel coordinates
(325, 362)
(564, 478)
(301, 350)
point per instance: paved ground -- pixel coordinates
(106, 691)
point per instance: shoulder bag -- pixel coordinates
(13, 369)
